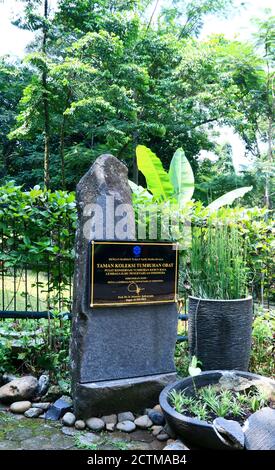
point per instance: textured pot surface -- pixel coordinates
(194, 432)
(219, 332)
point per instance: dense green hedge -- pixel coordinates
(37, 231)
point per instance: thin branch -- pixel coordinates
(152, 16)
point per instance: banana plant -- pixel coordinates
(176, 185)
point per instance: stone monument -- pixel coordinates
(121, 357)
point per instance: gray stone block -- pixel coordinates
(115, 396)
(133, 342)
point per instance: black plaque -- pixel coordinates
(126, 273)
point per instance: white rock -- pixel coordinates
(126, 426)
(80, 425)
(156, 430)
(158, 408)
(175, 445)
(20, 406)
(162, 436)
(68, 419)
(143, 422)
(95, 424)
(110, 427)
(18, 389)
(125, 416)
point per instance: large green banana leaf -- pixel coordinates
(228, 198)
(182, 177)
(158, 181)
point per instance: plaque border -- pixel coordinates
(125, 242)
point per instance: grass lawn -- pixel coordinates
(22, 293)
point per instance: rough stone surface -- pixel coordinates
(125, 416)
(156, 417)
(68, 419)
(95, 424)
(69, 431)
(110, 427)
(162, 436)
(80, 425)
(20, 406)
(126, 426)
(43, 385)
(92, 361)
(156, 430)
(58, 409)
(259, 430)
(157, 408)
(6, 378)
(176, 445)
(89, 438)
(230, 432)
(143, 422)
(43, 406)
(110, 422)
(18, 389)
(33, 413)
(67, 399)
(115, 395)
(231, 381)
(146, 354)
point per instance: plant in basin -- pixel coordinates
(220, 312)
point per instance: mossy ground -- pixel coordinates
(18, 432)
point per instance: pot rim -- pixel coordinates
(249, 297)
(167, 408)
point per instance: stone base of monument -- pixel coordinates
(114, 396)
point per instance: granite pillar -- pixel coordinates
(121, 357)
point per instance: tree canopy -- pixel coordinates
(108, 75)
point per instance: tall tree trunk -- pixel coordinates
(62, 139)
(270, 107)
(135, 167)
(62, 147)
(46, 103)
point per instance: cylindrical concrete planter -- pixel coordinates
(219, 332)
(194, 432)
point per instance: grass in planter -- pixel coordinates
(210, 403)
(218, 262)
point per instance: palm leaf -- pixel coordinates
(182, 177)
(158, 181)
(228, 198)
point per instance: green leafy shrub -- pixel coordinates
(263, 344)
(46, 350)
(37, 233)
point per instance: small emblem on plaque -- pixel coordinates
(133, 287)
(137, 250)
